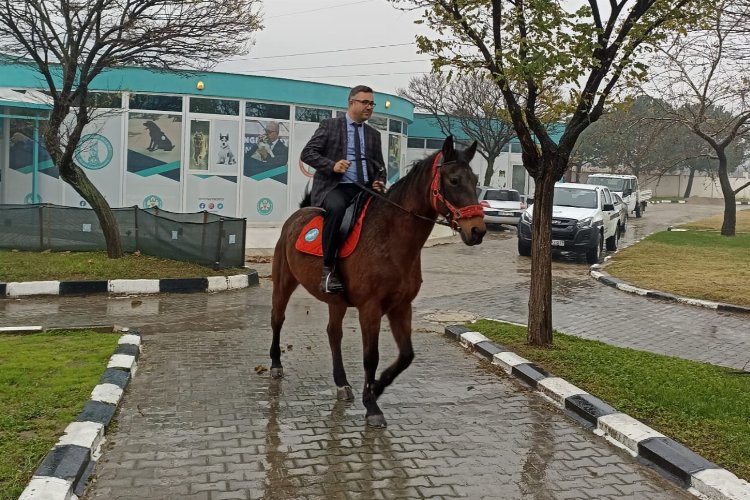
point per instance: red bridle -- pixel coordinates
(454, 214)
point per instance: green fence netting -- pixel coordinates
(201, 237)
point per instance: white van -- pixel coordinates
(624, 185)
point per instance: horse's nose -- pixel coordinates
(477, 234)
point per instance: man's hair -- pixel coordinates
(359, 88)
(273, 126)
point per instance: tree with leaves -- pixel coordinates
(703, 72)
(472, 104)
(70, 43)
(536, 51)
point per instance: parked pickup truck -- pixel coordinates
(584, 219)
(627, 187)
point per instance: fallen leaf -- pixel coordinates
(260, 369)
(289, 347)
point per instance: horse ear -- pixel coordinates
(471, 152)
(448, 151)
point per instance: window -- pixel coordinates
(103, 100)
(379, 122)
(413, 142)
(214, 106)
(315, 115)
(607, 197)
(156, 102)
(340, 114)
(394, 126)
(502, 195)
(265, 110)
(406, 128)
(434, 143)
(505, 148)
(515, 147)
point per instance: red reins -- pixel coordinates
(454, 214)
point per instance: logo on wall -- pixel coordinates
(265, 206)
(94, 152)
(29, 199)
(308, 171)
(152, 201)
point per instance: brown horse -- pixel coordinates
(383, 274)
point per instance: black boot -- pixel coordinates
(330, 281)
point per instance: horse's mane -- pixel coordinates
(402, 188)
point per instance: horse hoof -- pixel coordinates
(376, 421)
(344, 393)
(277, 372)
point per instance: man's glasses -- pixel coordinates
(365, 102)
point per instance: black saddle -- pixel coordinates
(352, 214)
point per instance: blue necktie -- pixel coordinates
(358, 154)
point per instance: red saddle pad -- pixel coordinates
(310, 239)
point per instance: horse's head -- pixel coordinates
(454, 193)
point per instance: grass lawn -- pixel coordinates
(698, 263)
(36, 266)
(45, 381)
(705, 407)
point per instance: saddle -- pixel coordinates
(310, 239)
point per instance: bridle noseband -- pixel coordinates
(436, 196)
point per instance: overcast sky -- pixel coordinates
(295, 28)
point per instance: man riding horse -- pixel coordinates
(345, 153)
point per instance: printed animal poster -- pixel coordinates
(200, 135)
(225, 147)
(154, 144)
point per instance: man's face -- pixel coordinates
(361, 106)
(272, 133)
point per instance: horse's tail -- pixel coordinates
(307, 199)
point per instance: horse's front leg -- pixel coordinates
(284, 284)
(369, 321)
(400, 320)
(335, 333)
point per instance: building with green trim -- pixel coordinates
(191, 141)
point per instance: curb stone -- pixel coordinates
(686, 467)
(65, 470)
(596, 272)
(120, 287)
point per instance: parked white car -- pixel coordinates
(501, 206)
(627, 187)
(584, 219)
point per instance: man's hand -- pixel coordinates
(341, 166)
(378, 186)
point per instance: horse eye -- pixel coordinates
(453, 181)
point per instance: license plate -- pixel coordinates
(506, 214)
(558, 243)
(490, 212)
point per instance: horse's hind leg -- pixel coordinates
(369, 321)
(400, 320)
(284, 283)
(335, 333)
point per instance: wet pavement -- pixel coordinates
(199, 422)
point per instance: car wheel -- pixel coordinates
(638, 211)
(595, 253)
(612, 240)
(524, 248)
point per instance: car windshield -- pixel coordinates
(575, 197)
(613, 183)
(502, 195)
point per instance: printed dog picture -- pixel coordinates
(158, 139)
(200, 148)
(226, 156)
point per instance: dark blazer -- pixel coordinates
(253, 166)
(328, 145)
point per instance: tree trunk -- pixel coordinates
(490, 170)
(689, 186)
(540, 290)
(728, 227)
(73, 175)
(62, 155)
